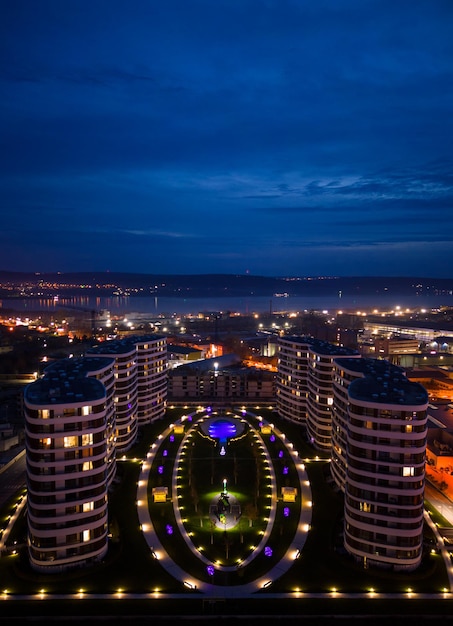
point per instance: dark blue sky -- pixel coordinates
(278, 137)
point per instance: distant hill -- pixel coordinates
(14, 284)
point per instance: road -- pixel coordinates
(12, 478)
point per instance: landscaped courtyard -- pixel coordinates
(257, 465)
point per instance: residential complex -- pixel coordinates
(78, 417)
(364, 412)
(374, 422)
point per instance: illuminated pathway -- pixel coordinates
(221, 590)
(11, 521)
(443, 550)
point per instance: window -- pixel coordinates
(88, 506)
(87, 439)
(408, 471)
(70, 442)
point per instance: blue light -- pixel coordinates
(210, 569)
(286, 511)
(222, 430)
(169, 529)
(268, 551)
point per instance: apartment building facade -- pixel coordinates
(223, 380)
(140, 383)
(70, 454)
(385, 474)
(304, 386)
(377, 425)
(79, 416)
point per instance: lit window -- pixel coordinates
(408, 471)
(330, 401)
(85, 410)
(87, 439)
(88, 506)
(70, 442)
(88, 465)
(86, 535)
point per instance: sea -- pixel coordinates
(150, 306)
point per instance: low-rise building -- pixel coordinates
(224, 380)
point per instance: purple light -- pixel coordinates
(172, 438)
(169, 529)
(160, 469)
(272, 438)
(268, 551)
(280, 454)
(285, 470)
(164, 453)
(286, 511)
(210, 569)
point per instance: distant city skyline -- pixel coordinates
(277, 138)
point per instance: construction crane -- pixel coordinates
(93, 314)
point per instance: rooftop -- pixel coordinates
(321, 347)
(68, 382)
(390, 388)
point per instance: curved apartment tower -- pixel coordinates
(151, 377)
(320, 391)
(345, 371)
(140, 383)
(384, 483)
(69, 459)
(124, 355)
(292, 378)
(305, 384)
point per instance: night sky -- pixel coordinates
(274, 137)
